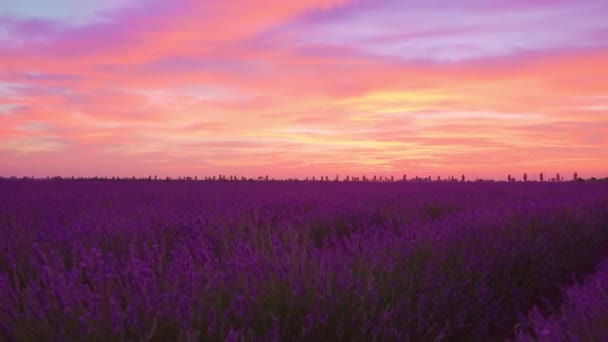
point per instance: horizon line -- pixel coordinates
(324, 179)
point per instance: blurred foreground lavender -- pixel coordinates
(99, 261)
(583, 315)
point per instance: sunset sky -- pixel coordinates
(303, 88)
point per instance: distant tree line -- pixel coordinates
(349, 178)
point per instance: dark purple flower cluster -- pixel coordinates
(583, 315)
(286, 260)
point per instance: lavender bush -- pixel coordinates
(583, 315)
(156, 261)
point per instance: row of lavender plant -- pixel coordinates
(276, 261)
(583, 315)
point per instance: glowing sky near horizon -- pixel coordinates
(303, 88)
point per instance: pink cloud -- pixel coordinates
(307, 87)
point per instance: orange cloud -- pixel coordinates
(241, 87)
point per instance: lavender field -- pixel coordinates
(303, 261)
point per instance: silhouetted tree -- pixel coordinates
(463, 179)
(575, 176)
(542, 178)
(509, 178)
(525, 177)
(404, 177)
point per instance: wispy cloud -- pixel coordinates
(302, 88)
